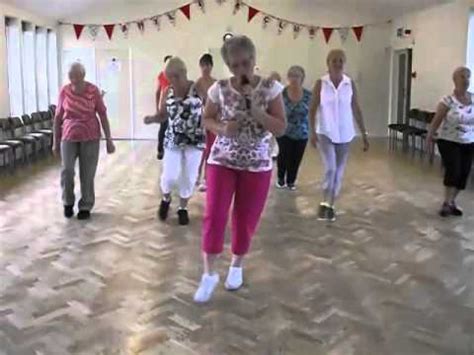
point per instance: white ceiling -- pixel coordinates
(116, 10)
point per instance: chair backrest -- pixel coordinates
(28, 123)
(17, 126)
(37, 120)
(5, 131)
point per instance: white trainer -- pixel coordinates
(234, 279)
(206, 288)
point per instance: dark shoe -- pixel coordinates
(330, 214)
(322, 212)
(456, 211)
(164, 209)
(83, 215)
(183, 217)
(68, 211)
(280, 184)
(446, 210)
(160, 155)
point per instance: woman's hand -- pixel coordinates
(229, 129)
(56, 150)
(430, 141)
(110, 146)
(150, 119)
(258, 113)
(314, 139)
(365, 140)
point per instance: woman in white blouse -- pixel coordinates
(333, 109)
(455, 115)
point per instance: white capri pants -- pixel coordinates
(180, 169)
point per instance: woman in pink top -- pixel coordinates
(77, 136)
(244, 111)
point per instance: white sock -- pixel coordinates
(206, 288)
(234, 278)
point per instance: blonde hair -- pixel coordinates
(460, 70)
(336, 53)
(237, 44)
(175, 64)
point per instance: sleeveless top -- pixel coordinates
(458, 126)
(184, 120)
(335, 118)
(250, 150)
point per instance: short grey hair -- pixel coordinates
(460, 70)
(237, 44)
(176, 64)
(298, 70)
(336, 53)
(78, 66)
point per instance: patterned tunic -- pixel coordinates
(297, 115)
(459, 123)
(184, 120)
(251, 149)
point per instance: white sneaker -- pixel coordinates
(206, 288)
(202, 187)
(234, 279)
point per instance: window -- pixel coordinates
(42, 68)
(15, 80)
(53, 79)
(29, 68)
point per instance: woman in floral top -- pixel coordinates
(293, 144)
(455, 116)
(244, 112)
(184, 138)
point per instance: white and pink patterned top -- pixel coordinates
(250, 150)
(459, 123)
(79, 113)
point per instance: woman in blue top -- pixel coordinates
(293, 144)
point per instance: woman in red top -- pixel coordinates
(77, 136)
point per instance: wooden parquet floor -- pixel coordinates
(389, 277)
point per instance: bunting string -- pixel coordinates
(238, 6)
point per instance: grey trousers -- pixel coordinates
(334, 157)
(88, 154)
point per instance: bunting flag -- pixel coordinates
(141, 26)
(296, 30)
(109, 29)
(201, 5)
(343, 33)
(266, 21)
(312, 32)
(186, 10)
(156, 21)
(93, 31)
(172, 17)
(78, 30)
(124, 29)
(358, 30)
(252, 13)
(327, 33)
(281, 26)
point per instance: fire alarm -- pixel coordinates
(403, 32)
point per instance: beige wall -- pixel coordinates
(439, 45)
(7, 10)
(368, 61)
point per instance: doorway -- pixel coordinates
(401, 88)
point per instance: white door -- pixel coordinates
(113, 78)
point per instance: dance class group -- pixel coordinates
(218, 136)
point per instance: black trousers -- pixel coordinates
(161, 136)
(290, 155)
(457, 161)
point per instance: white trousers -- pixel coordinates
(181, 170)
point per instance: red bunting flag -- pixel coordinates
(358, 30)
(252, 13)
(327, 33)
(109, 29)
(186, 10)
(78, 30)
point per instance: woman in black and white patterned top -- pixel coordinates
(455, 119)
(184, 138)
